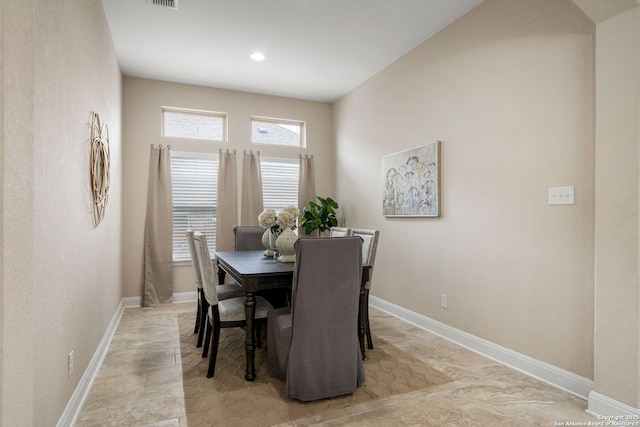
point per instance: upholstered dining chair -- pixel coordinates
(313, 346)
(369, 248)
(227, 313)
(248, 237)
(339, 232)
(223, 291)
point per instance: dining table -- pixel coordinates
(256, 272)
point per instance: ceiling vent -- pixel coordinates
(173, 4)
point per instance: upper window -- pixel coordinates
(266, 130)
(194, 178)
(194, 124)
(279, 182)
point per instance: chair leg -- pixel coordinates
(367, 328)
(258, 334)
(207, 338)
(198, 313)
(203, 320)
(214, 350)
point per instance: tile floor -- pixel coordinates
(140, 383)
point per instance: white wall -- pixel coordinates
(61, 280)
(142, 102)
(509, 90)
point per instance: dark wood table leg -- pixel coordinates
(361, 322)
(221, 273)
(250, 311)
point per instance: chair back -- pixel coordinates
(197, 275)
(339, 232)
(369, 244)
(325, 358)
(206, 268)
(248, 237)
(369, 248)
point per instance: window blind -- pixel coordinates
(279, 182)
(194, 178)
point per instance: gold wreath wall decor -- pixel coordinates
(100, 165)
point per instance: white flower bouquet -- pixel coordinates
(288, 218)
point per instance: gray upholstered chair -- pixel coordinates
(227, 313)
(369, 248)
(339, 232)
(248, 237)
(222, 291)
(313, 346)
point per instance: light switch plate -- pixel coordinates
(562, 195)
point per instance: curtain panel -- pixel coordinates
(158, 232)
(227, 205)
(306, 184)
(252, 200)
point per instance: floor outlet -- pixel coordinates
(443, 301)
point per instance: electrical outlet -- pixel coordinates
(70, 363)
(443, 301)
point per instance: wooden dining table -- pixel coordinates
(256, 272)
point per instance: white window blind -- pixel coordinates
(279, 182)
(194, 178)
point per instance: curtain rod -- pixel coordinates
(160, 146)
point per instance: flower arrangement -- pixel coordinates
(268, 218)
(288, 217)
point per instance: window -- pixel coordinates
(279, 182)
(265, 130)
(194, 124)
(194, 178)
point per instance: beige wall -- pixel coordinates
(142, 102)
(617, 213)
(509, 90)
(61, 281)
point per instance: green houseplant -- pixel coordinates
(319, 217)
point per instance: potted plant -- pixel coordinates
(319, 217)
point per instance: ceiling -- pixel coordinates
(600, 10)
(315, 49)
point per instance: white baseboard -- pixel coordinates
(606, 408)
(177, 298)
(185, 297)
(132, 301)
(68, 417)
(560, 378)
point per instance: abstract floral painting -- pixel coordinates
(411, 182)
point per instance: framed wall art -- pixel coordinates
(411, 182)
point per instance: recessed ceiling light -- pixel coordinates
(258, 56)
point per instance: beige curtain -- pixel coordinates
(158, 232)
(227, 205)
(251, 189)
(306, 183)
